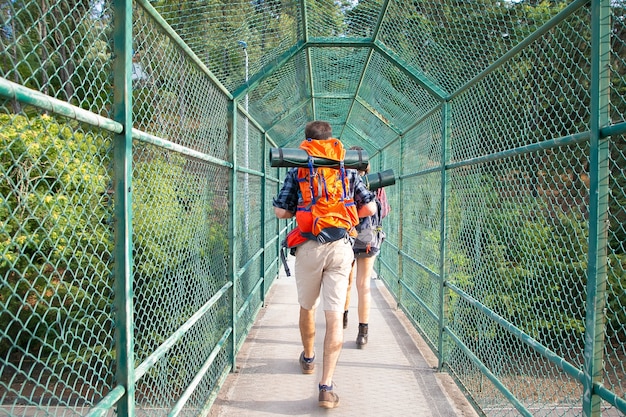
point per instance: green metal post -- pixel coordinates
(122, 177)
(598, 205)
(305, 37)
(277, 222)
(311, 83)
(443, 299)
(377, 261)
(232, 235)
(264, 214)
(400, 225)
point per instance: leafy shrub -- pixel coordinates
(180, 247)
(55, 237)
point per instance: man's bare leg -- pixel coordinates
(347, 304)
(333, 341)
(363, 277)
(307, 331)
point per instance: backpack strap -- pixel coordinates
(283, 258)
(342, 170)
(311, 176)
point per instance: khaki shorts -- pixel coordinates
(323, 269)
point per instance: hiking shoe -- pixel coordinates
(361, 339)
(345, 319)
(327, 398)
(307, 365)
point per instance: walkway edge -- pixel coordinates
(456, 398)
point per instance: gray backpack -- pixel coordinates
(370, 234)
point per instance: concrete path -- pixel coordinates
(395, 375)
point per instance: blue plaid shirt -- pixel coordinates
(287, 198)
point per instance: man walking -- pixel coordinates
(322, 269)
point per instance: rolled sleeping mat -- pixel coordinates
(379, 179)
(296, 157)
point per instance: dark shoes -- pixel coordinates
(327, 398)
(361, 339)
(345, 319)
(307, 364)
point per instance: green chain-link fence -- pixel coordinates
(138, 239)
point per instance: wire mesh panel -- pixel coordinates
(267, 28)
(383, 85)
(56, 325)
(248, 238)
(452, 44)
(614, 372)
(181, 253)
(286, 91)
(388, 260)
(542, 295)
(56, 334)
(271, 225)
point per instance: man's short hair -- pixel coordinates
(318, 129)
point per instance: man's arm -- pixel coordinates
(287, 200)
(364, 199)
(367, 210)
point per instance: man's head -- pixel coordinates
(318, 129)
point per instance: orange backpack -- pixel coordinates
(325, 211)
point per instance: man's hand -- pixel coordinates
(285, 214)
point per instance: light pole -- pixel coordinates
(246, 162)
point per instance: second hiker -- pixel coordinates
(366, 247)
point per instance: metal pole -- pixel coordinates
(122, 177)
(246, 161)
(599, 195)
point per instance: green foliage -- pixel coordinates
(539, 280)
(180, 245)
(617, 201)
(55, 238)
(616, 297)
(523, 262)
(58, 48)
